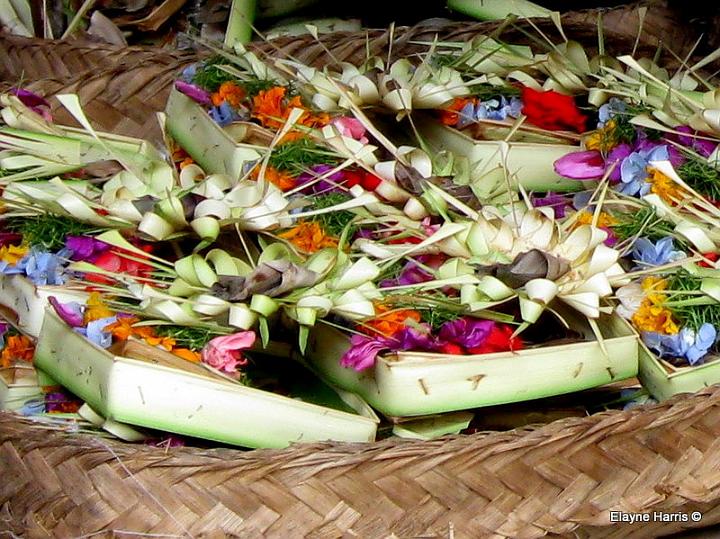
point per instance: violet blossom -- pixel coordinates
(33, 101)
(194, 92)
(85, 248)
(467, 332)
(648, 253)
(70, 313)
(328, 184)
(558, 203)
(705, 148)
(633, 169)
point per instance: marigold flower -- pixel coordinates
(603, 139)
(123, 328)
(388, 321)
(664, 186)
(96, 309)
(585, 217)
(650, 317)
(270, 109)
(309, 237)
(12, 254)
(228, 92)
(281, 179)
(17, 348)
(187, 354)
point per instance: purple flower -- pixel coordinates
(85, 247)
(326, 185)
(616, 156)
(703, 147)
(413, 273)
(3, 330)
(585, 165)
(195, 93)
(70, 313)
(410, 338)
(363, 351)
(33, 101)
(55, 401)
(9, 238)
(673, 154)
(558, 203)
(467, 331)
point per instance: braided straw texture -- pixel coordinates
(559, 480)
(121, 88)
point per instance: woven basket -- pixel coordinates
(561, 480)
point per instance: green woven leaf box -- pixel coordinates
(23, 303)
(18, 385)
(215, 149)
(146, 387)
(528, 163)
(664, 380)
(420, 383)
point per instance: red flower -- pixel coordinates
(499, 340)
(113, 262)
(712, 257)
(450, 348)
(367, 180)
(552, 111)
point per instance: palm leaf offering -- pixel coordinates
(484, 224)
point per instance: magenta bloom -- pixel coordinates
(585, 165)
(85, 247)
(9, 238)
(410, 338)
(324, 186)
(33, 101)
(412, 273)
(702, 147)
(70, 313)
(364, 351)
(195, 93)
(558, 203)
(468, 332)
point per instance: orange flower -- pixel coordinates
(585, 217)
(17, 348)
(309, 237)
(388, 321)
(270, 109)
(123, 328)
(186, 162)
(230, 92)
(449, 115)
(165, 342)
(283, 180)
(268, 106)
(665, 187)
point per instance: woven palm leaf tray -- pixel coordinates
(563, 479)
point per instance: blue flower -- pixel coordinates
(224, 114)
(648, 253)
(686, 344)
(94, 331)
(189, 73)
(633, 170)
(491, 109)
(44, 268)
(609, 110)
(33, 407)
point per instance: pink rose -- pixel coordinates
(225, 353)
(351, 127)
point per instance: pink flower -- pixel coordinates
(351, 127)
(225, 353)
(195, 93)
(586, 165)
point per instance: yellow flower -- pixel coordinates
(309, 237)
(585, 217)
(655, 318)
(96, 308)
(652, 316)
(603, 139)
(12, 254)
(664, 187)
